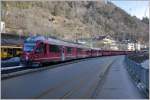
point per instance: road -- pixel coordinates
(103, 77)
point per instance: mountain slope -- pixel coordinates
(72, 19)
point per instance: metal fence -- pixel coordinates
(139, 74)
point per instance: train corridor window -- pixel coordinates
(14, 52)
(79, 50)
(44, 48)
(5, 50)
(10, 51)
(54, 48)
(69, 50)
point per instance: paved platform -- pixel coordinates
(117, 84)
(85, 79)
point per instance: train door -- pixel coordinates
(96, 52)
(63, 53)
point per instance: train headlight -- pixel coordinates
(27, 57)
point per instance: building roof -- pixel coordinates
(11, 39)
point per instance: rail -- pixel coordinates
(9, 72)
(139, 74)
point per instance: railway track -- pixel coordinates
(6, 70)
(9, 72)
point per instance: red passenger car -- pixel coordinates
(38, 50)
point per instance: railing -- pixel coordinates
(139, 74)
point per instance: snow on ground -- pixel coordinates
(145, 64)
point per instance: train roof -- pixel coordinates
(55, 41)
(96, 48)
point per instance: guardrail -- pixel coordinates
(139, 74)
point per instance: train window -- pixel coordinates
(63, 50)
(5, 50)
(10, 51)
(18, 49)
(41, 48)
(44, 48)
(29, 46)
(14, 52)
(79, 49)
(54, 48)
(69, 50)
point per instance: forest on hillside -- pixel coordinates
(73, 19)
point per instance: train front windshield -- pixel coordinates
(28, 47)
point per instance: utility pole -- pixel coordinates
(74, 15)
(91, 41)
(134, 39)
(76, 37)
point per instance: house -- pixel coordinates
(109, 43)
(105, 42)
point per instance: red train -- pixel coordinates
(38, 50)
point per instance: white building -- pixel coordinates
(138, 46)
(110, 43)
(131, 46)
(135, 46)
(2, 27)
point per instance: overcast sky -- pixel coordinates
(138, 8)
